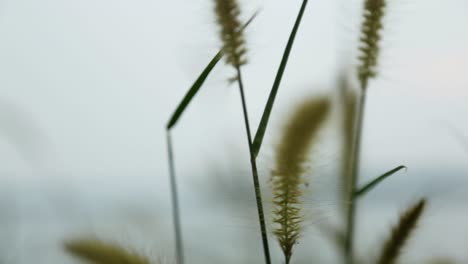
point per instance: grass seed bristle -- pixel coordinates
(374, 11)
(227, 12)
(299, 135)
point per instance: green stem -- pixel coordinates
(349, 238)
(175, 202)
(253, 163)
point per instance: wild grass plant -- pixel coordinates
(374, 11)
(100, 252)
(292, 153)
(227, 13)
(286, 179)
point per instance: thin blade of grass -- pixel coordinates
(274, 90)
(369, 186)
(193, 90)
(199, 82)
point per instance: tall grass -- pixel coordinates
(227, 12)
(287, 177)
(374, 11)
(292, 153)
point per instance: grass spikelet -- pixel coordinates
(227, 12)
(299, 135)
(401, 233)
(99, 252)
(374, 11)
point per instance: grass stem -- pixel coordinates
(351, 216)
(253, 163)
(279, 76)
(175, 202)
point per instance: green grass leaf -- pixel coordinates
(274, 90)
(369, 186)
(193, 90)
(199, 83)
(172, 122)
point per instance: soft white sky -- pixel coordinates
(87, 86)
(99, 79)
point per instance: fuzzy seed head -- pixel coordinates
(100, 252)
(374, 11)
(227, 12)
(287, 178)
(401, 233)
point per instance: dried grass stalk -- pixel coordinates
(370, 29)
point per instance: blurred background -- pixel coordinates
(86, 89)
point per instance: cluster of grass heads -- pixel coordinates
(299, 135)
(287, 178)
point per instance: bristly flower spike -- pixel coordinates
(401, 233)
(300, 134)
(374, 11)
(227, 12)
